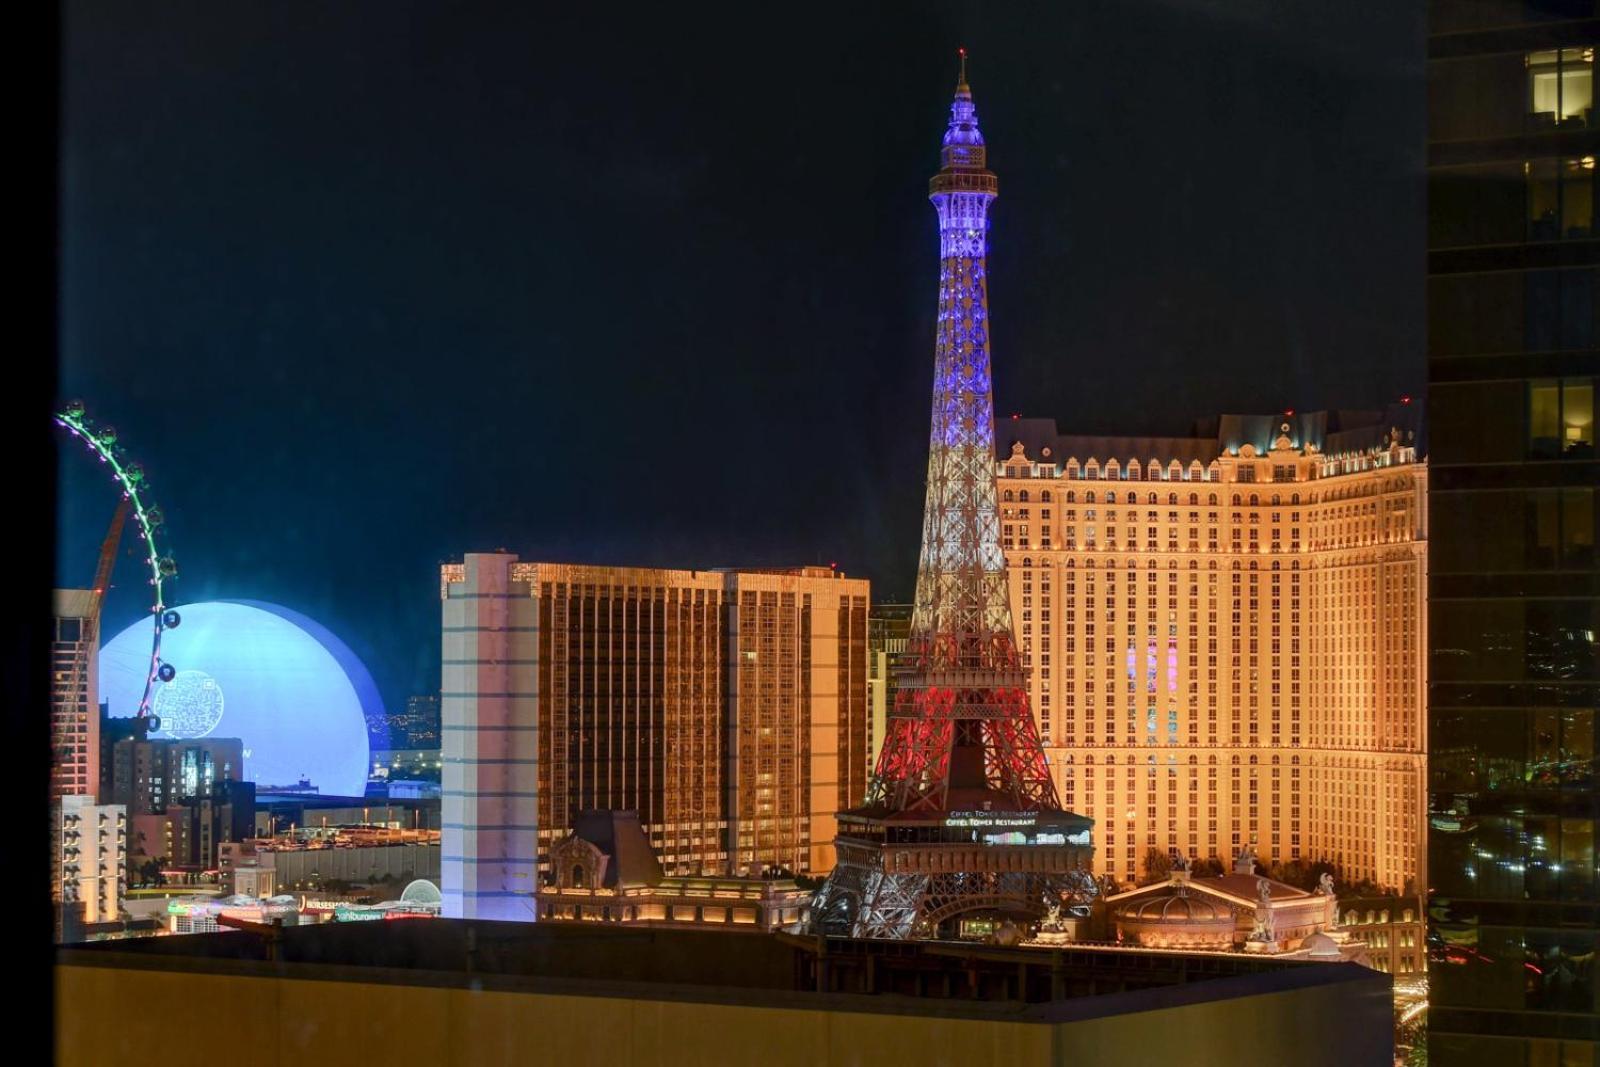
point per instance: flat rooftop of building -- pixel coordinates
(921, 978)
(1332, 433)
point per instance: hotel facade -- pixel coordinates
(74, 695)
(1225, 633)
(728, 708)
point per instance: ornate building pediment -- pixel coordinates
(578, 864)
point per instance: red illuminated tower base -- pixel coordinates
(961, 829)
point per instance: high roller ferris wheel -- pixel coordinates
(102, 442)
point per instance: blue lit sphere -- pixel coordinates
(288, 688)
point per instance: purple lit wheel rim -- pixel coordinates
(102, 443)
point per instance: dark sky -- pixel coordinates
(368, 285)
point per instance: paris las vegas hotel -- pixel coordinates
(1225, 634)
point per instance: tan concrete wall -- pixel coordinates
(292, 1022)
(1343, 1025)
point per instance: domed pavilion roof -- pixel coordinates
(1174, 908)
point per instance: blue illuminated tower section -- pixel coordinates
(961, 590)
(961, 821)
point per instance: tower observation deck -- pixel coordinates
(962, 819)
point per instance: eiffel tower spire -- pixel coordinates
(961, 757)
(961, 719)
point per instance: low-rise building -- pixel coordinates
(1393, 930)
(281, 814)
(199, 914)
(88, 852)
(1240, 911)
(605, 871)
(312, 857)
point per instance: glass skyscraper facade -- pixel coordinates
(1513, 587)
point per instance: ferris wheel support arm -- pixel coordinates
(130, 477)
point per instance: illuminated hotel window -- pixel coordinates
(1561, 419)
(1561, 88)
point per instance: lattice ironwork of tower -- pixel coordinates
(962, 825)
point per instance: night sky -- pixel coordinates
(368, 285)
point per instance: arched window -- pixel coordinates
(1237, 500)
(1172, 498)
(1212, 499)
(1111, 496)
(1072, 497)
(1023, 496)
(1088, 498)
(1045, 496)
(1008, 495)
(1276, 499)
(1150, 499)
(580, 877)
(1254, 500)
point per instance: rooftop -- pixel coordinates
(1331, 433)
(922, 978)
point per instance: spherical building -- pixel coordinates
(288, 688)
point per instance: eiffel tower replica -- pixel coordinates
(962, 829)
